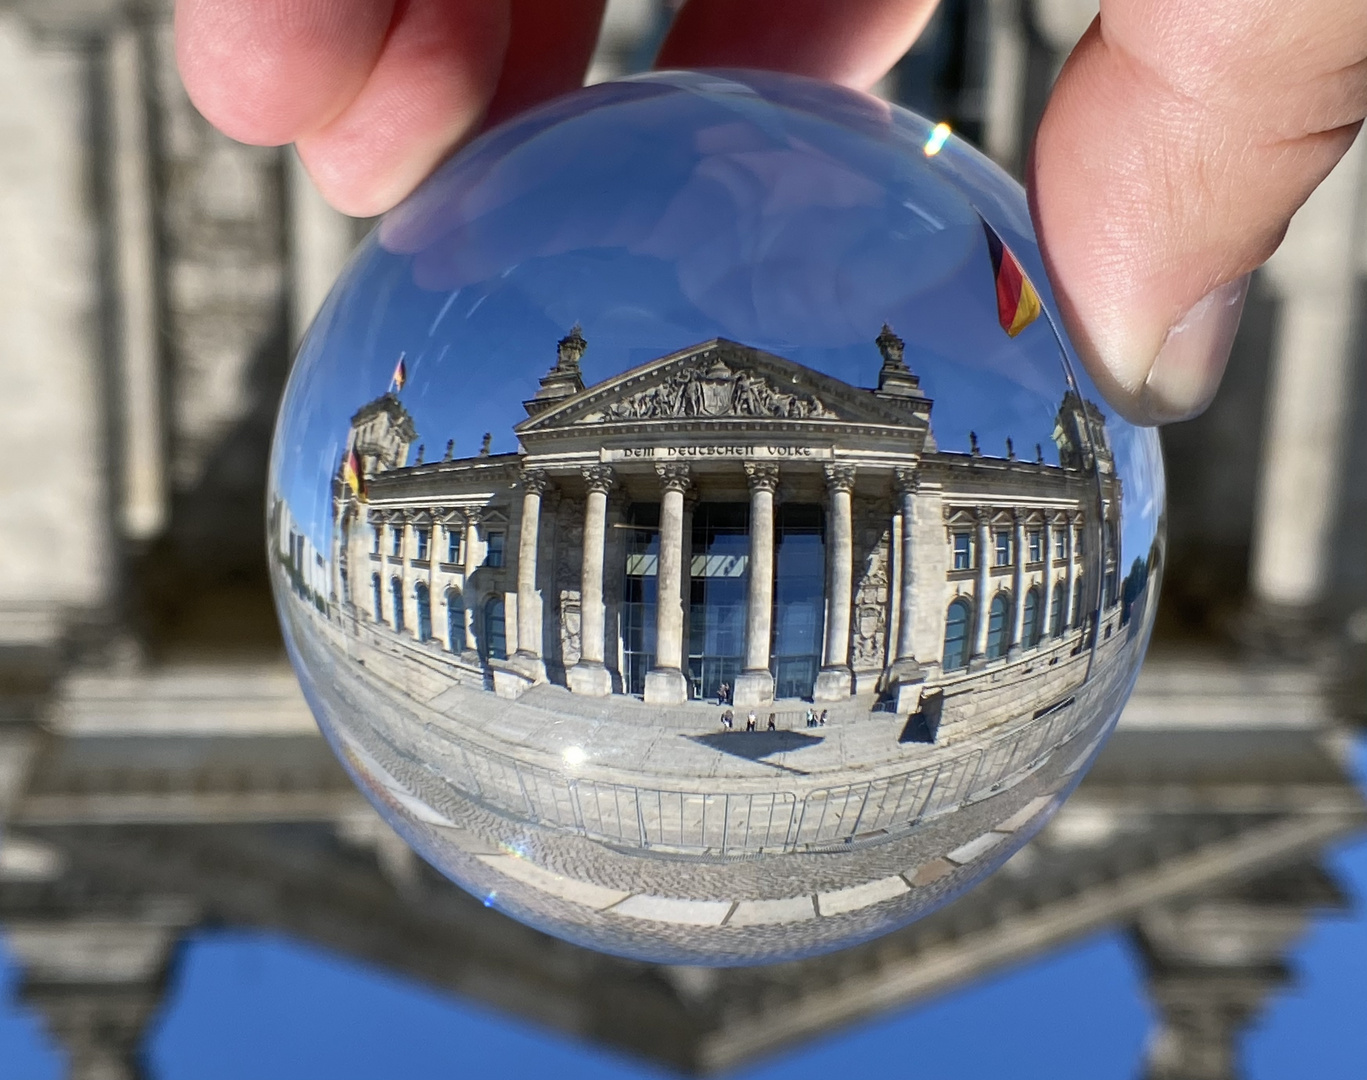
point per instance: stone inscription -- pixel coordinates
(741, 451)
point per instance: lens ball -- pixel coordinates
(691, 530)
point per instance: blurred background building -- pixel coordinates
(159, 771)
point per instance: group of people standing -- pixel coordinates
(728, 718)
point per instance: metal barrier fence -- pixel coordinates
(733, 824)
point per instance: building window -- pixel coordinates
(455, 621)
(956, 635)
(998, 626)
(396, 594)
(1031, 630)
(963, 551)
(374, 539)
(495, 630)
(421, 537)
(799, 599)
(639, 595)
(1036, 546)
(377, 597)
(453, 545)
(1081, 546)
(1056, 609)
(423, 601)
(493, 557)
(396, 540)
(1060, 544)
(1003, 548)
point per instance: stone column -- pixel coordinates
(527, 660)
(983, 599)
(1305, 477)
(467, 597)
(1047, 537)
(755, 684)
(589, 676)
(905, 669)
(665, 682)
(1070, 553)
(1018, 584)
(835, 680)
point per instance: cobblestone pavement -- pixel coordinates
(632, 898)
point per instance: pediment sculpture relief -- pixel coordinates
(716, 390)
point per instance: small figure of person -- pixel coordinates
(773, 726)
(750, 721)
(823, 717)
(724, 694)
(811, 717)
(728, 718)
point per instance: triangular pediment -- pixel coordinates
(719, 380)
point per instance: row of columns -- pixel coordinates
(666, 682)
(984, 591)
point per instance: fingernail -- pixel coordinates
(1187, 370)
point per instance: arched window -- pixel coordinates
(455, 620)
(1031, 631)
(1056, 610)
(998, 626)
(1081, 591)
(495, 632)
(396, 593)
(423, 602)
(376, 597)
(956, 635)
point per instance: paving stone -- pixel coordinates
(547, 881)
(671, 910)
(767, 912)
(980, 846)
(861, 896)
(931, 872)
(1024, 815)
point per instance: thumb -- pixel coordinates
(1180, 138)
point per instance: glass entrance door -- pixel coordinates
(717, 595)
(639, 595)
(799, 598)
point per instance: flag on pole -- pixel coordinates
(352, 474)
(1018, 304)
(400, 374)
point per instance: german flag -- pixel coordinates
(400, 375)
(1018, 304)
(352, 474)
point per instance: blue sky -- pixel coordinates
(669, 214)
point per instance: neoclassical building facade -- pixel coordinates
(722, 515)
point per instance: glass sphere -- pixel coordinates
(690, 530)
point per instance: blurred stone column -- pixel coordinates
(589, 676)
(320, 242)
(755, 684)
(665, 683)
(1315, 274)
(143, 495)
(905, 669)
(835, 679)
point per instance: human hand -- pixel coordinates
(1178, 141)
